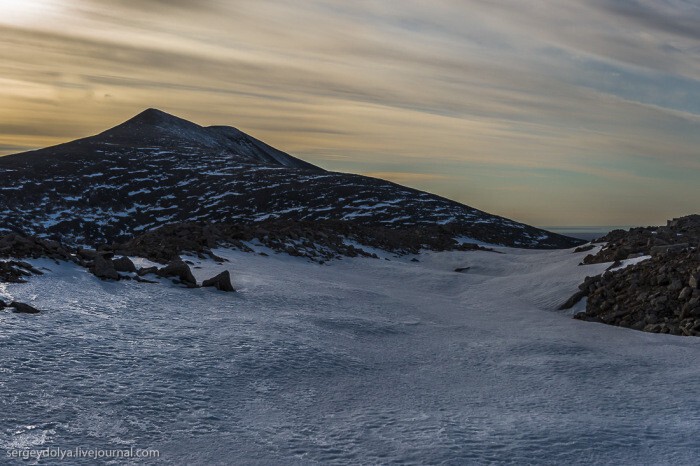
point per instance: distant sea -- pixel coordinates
(587, 233)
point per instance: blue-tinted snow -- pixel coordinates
(360, 361)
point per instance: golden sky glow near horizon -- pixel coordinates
(569, 112)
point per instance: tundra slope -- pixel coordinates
(157, 169)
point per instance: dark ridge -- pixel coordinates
(621, 244)
(156, 169)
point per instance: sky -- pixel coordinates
(550, 112)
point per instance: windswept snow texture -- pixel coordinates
(363, 361)
(157, 169)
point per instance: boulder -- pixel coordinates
(21, 308)
(178, 268)
(104, 269)
(87, 254)
(221, 282)
(124, 264)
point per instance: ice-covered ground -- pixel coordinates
(357, 361)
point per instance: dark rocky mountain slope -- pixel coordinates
(660, 293)
(621, 244)
(157, 169)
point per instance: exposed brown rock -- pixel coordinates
(221, 282)
(678, 234)
(21, 308)
(104, 268)
(178, 268)
(124, 264)
(654, 295)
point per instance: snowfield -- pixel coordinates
(357, 361)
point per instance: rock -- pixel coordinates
(19, 246)
(587, 318)
(25, 268)
(21, 308)
(146, 270)
(585, 248)
(2, 304)
(621, 254)
(639, 325)
(675, 285)
(694, 281)
(124, 264)
(16, 271)
(86, 254)
(462, 269)
(571, 302)
(651, 295)
(106, 253)
(143, 280)
(656, 250)
(221, 282)
(104, 269)
(614, 265)
(414, 260)
(178, 268)
(685, 293)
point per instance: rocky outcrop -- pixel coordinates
(677, 234)
(19, 308)
(86, 254)
(20, 246)
(658, 295)
(318, 241)
(16, 271)
(124, 264)
(104, 268)
(22, 308)
(178, 268)
(221, 282)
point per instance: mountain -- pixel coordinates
(153, 130)
(157, 169)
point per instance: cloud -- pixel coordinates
(676, 18)
(591, 90)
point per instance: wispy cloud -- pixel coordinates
(459, 97)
